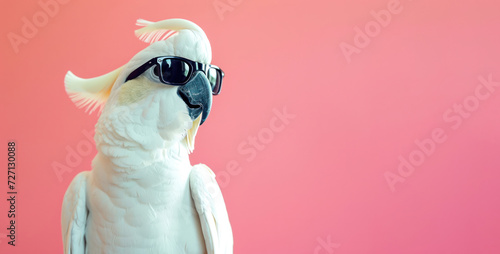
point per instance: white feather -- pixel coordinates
(211, 209)
(152, 32)
(90, 93)
(74, 215)
(191, 133)
(143, 22)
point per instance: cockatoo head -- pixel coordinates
(162, 94)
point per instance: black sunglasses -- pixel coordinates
(177, 71)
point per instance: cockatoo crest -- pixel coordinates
(92, 93)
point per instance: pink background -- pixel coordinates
(319, 178)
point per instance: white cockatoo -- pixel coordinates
(142, 194)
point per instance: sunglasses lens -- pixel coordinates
(215, 78)
(175, 71)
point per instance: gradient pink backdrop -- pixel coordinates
(320, 178)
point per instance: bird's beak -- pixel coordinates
(197, 95)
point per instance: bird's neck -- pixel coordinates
(130, 154)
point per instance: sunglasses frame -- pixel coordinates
(195, 66)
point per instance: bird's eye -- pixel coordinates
(175, 71)
(156, 70)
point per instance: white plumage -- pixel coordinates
(142, 194)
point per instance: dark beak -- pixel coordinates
(197, 95)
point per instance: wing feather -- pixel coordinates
(74, 215)
(211, 209)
